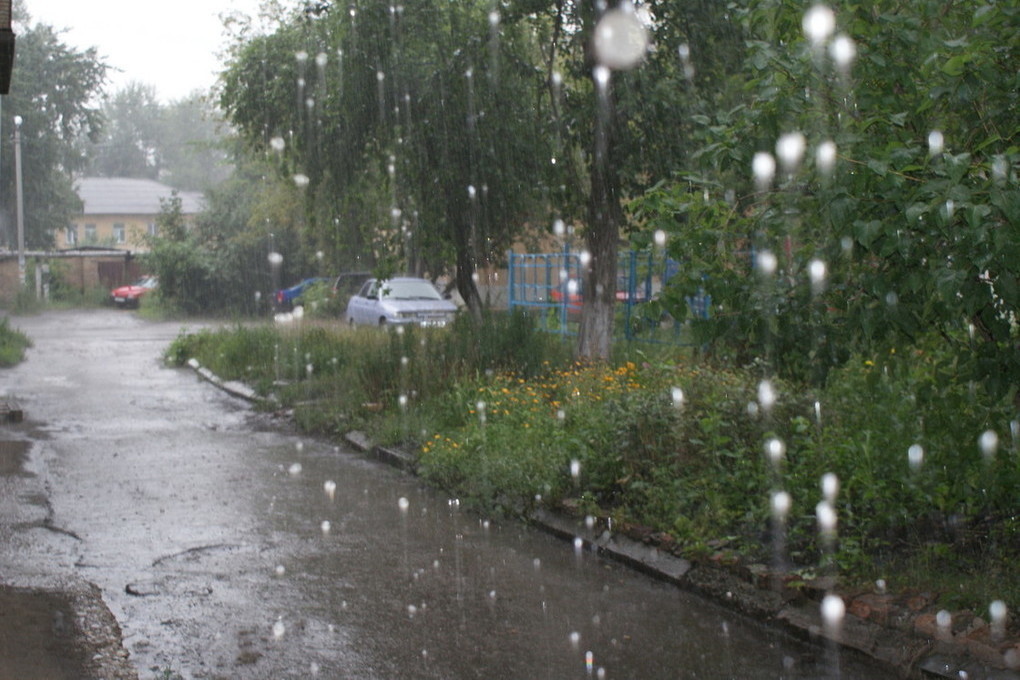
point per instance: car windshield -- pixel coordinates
(410, 290)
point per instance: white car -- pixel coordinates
(397, 301)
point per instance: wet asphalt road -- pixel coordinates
(210, 532)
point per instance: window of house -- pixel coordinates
(90, 233)
(71, 235)
(118, 232)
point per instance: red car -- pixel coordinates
(131, 295)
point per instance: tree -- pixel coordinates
(179, 143)
(130, 144)
(445, 139)
(53, 89)
(901, 220)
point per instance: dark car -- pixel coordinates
(286, 298)
(131, 295)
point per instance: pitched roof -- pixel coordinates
(124, 196)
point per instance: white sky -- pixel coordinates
(172, 45)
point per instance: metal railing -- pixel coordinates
(550, 286)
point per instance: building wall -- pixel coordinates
(111, 231)
(79, 271)
(116, 231)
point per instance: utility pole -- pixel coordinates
(20, 202)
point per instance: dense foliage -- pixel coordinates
(897, 215)
(53, 90)
(13, 344)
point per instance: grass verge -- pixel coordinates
(919, 472)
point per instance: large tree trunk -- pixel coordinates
(465, 278)
(602, 235)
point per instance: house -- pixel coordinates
(120, 212)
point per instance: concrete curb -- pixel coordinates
(233, 387)
(901, 631)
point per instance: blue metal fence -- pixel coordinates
(549, 285)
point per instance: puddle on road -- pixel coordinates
(13, 455)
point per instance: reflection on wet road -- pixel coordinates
(229, 548)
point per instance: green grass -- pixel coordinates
(13, 344)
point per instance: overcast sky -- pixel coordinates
(171, 45)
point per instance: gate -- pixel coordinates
(550, 286)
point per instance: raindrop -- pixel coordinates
(766, 395)
(403, 504)
(766, 263)
(944, 620)
(843, 51)
(818, 412)
(826, 516)
(301, 56)
(677, 395)
(936, 142)
(589, 661)
(775, 449)
(329, 486)
(279, 629)
(494, 18)
(816, 270)
(325, 526)
(294, 469)
(830, 486)
(1000, 169)
(575, 639)
(781, 503)
(275, 259)
(892, 299)
(997, 611)
(915, 456)
(321, 59)
(833, 610)
(301, 180)
(819, 22)
(825, 156)
(790, 150)
(559, 228)
(620, 39)
(480, 408)
(578, 545)
(660, 238)
(411, 611)
(601, 75)
(763, 166)
(989, 443)
(277, 144)
(575, 469)
(280, 570)
(880, 586)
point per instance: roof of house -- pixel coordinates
(124, 196)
